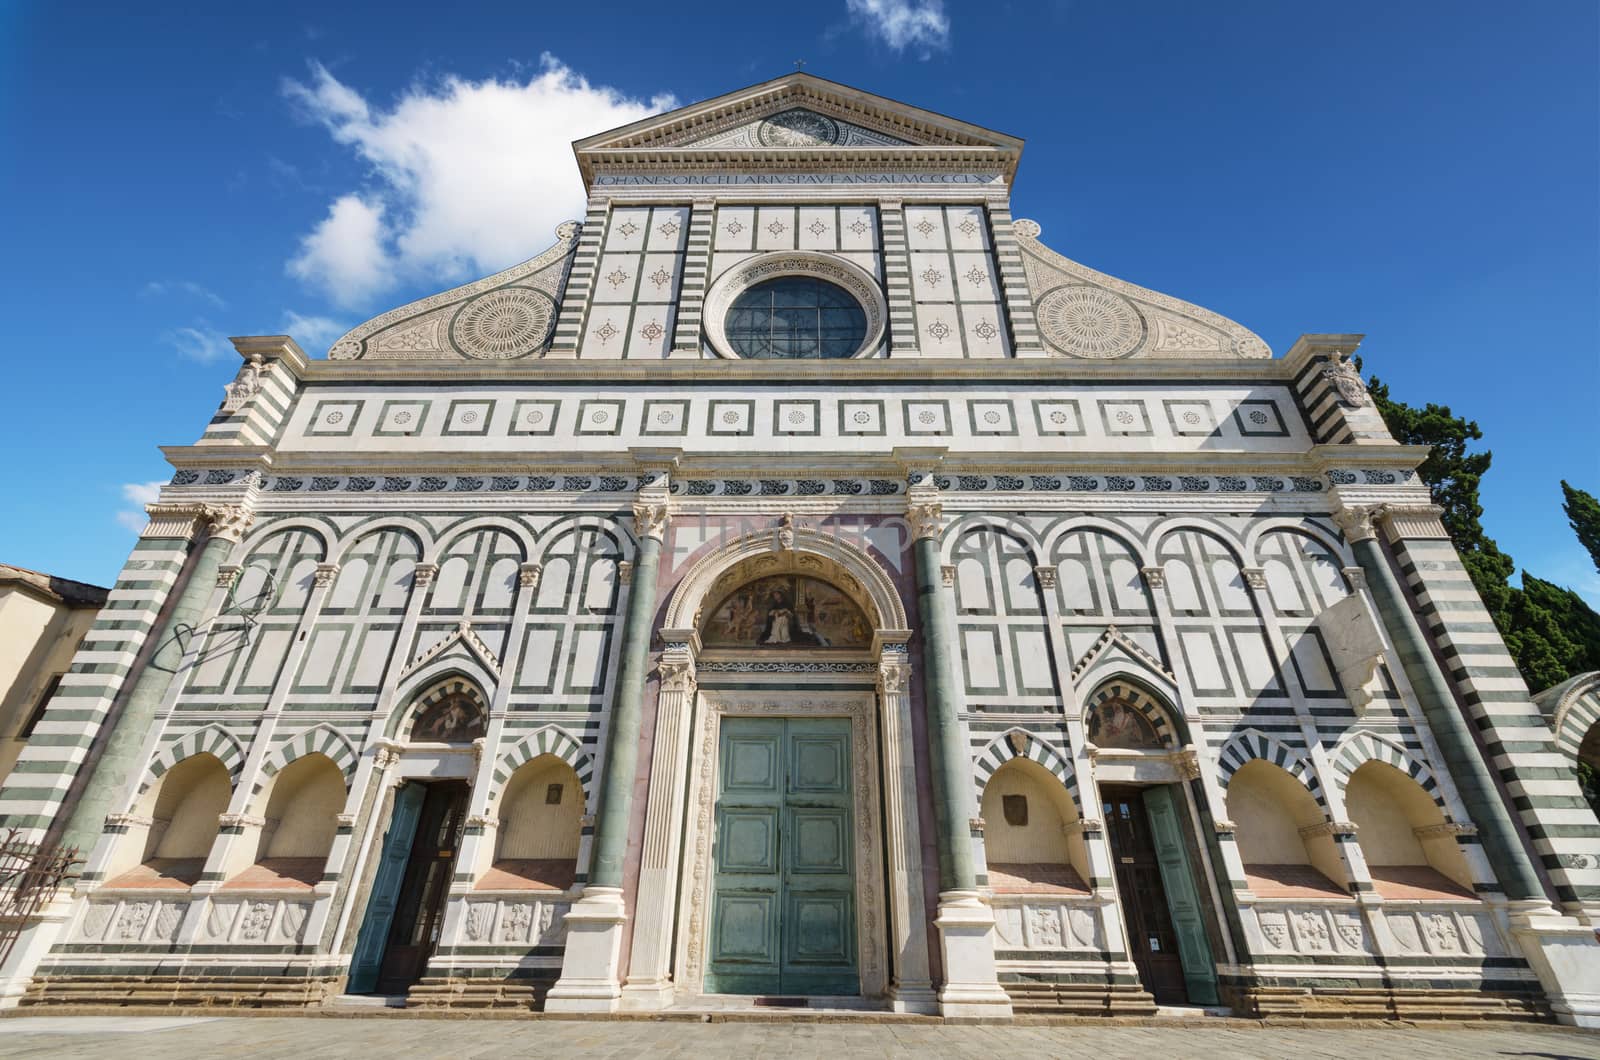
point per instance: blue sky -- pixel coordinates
(1423, 172)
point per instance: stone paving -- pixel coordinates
(311, 1038)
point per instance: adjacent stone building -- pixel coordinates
(800, 581)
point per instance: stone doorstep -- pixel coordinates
(865, 1018)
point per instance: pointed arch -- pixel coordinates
(426, 690)
(1003, 748)
(551, 740)
(321, 739)
(1250, 744)
(1364, 745)
(1156, 709)
(212, 740)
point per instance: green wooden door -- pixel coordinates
(783, 902)
(1183, 899)
(386, 882)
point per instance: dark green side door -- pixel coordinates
(1183, 898)
(385, 889)
(783, 900)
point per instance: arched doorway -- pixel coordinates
(437, 747)
(1141, 777)
(783, 710)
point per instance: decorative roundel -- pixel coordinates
(345, 350)
(798, 128)
(501, 324)
(567, 231)
(1090, 322)
(1026, 229)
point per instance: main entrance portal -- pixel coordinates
(783, 907)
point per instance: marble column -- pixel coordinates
(965, 921)
(650, 984)
(1562, 950)
(119, 757)
(1461, 755)
(912, 987)
(590, 972)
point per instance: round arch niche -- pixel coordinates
(854, 602)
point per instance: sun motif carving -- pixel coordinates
(1088, 322)
(502, 324)
(798, 128)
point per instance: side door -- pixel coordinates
(386, 883)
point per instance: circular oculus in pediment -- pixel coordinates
(1090, 322)
(502, 324)
(836, 272)
(798, 128)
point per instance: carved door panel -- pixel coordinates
(746, 904)
(819, 939)
(783, 905)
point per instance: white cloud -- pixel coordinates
(138, 494)
(345, 253)
(156, 288)
(314, 334)
(468, 177)
(902, 24)
(199, 343)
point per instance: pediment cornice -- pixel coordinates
(695, 135)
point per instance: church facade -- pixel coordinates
(800, 582)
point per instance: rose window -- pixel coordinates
(796, 317)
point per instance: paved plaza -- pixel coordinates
(311, 1038)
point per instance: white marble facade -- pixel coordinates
(1136, 507)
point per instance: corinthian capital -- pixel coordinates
(926, 519)
(650, 518)
(1356, 522)
(230, 522)
(894, 674)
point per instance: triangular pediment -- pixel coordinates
(797, 112)
(798, 127)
